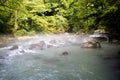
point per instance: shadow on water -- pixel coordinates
(112, 59)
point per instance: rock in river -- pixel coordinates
(14, 47)
(65, 53)
(91, 44)
(41, 45)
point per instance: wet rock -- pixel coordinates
(91, 44)
(101, 31)
(100, 35)
(14, 47)
(32, 46)
(53, 42)
(22, 51)
(65, 53)
(40, 45)
(49, 46)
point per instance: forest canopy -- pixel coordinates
(23, 17)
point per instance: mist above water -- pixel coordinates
(42, 58)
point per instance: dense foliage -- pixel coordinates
(24, 17)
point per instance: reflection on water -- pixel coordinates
(50, 64)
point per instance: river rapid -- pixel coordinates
(58, 57)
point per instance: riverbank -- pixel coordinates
(5, 39)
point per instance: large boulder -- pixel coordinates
(14, 47)
(101, 35)
(91, 44)
(100, 31)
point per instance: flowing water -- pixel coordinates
(26, 60)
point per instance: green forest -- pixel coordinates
(29, 17)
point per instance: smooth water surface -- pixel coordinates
(50, 64)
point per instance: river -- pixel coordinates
(42, 58)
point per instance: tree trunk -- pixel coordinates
(15, 24)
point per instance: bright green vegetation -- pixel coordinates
(23, 17)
